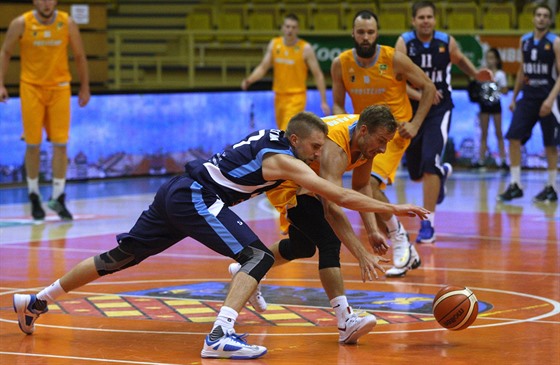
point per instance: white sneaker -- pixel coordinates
(355, 327)
(231, 346)
(407, 255)
(256, 299)
(26, 312)
(401, 247)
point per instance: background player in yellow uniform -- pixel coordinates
(291, 58)
(44, 35)
(373, 74)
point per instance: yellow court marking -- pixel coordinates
(514, 310)
(132, 313)
(113, 305)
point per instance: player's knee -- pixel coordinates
(60, 146)
(256, 259)
(292, 249)
(329, 255)
(113, 261)
(33, 147)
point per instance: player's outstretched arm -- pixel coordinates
(283, 167)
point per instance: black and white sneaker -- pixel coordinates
(547, 195)
(59, 207)
(513, 191)
(37, 211)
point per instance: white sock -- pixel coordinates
(392, 225)
(515, 172)
(33, 186)
(552, 175)
(58, 187)
(432, 218)
(341, 309)
(226, 318)
(50, 293)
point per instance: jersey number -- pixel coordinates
(426, 61)
(534, 54)
(250, 139)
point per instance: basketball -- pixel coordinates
(455, 307)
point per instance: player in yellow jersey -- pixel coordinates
(291, 58)
(44, 35)
(318, 224)
(372, 74)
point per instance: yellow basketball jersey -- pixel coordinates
(44, 50)
(283, 197)
(375, 84)
(290, 68)
(341, 128)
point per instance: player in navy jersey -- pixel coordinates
(434, 52)
(196, 204)
(538, 79)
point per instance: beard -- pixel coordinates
(46, 15)
(364, 51)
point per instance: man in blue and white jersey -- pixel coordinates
(538, 78)
(196, 204)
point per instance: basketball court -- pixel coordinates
(160, 311)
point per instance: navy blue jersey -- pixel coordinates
(539, 65)
(235, 174)
(434, 59)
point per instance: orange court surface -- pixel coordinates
(159, 311)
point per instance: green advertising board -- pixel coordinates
(328, 47)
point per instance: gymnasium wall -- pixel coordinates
(152, 134)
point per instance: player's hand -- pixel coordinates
(378, 243)
(369, 264)
(512, 105)
(484, 74)
(326, 109)
(411, 211)
(3, 94)
(245, 84)
(438, 96)
(83, 96)
(546, 109)
(408, 130)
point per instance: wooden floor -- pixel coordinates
(160, 311)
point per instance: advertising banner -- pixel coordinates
(508, 46)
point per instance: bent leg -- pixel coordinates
(82, 274)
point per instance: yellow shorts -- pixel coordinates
(46, 108)
(385, 165)
(283, 197)
(288, 105)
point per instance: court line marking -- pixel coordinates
(307, 262)
(111, 231)
(85, 358)
(536, 319)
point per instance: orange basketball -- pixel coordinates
(455, 307)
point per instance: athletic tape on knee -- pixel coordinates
(113, 261)
(255, 259)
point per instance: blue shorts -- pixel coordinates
(183, 208)
(426, 149)
(525, 117)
